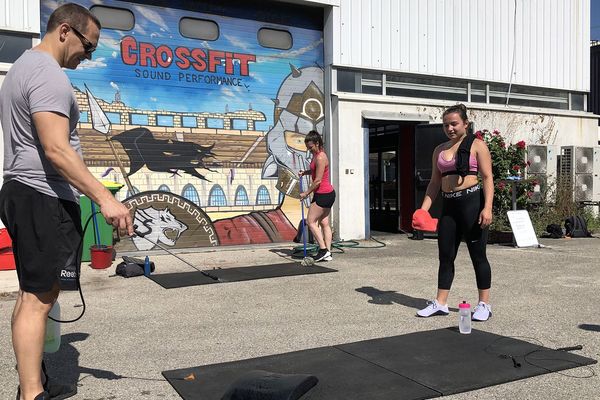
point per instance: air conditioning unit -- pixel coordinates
(577, 166)
(542, 168)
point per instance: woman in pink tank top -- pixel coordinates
(323, 196)
(466, 209)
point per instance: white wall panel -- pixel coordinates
(475, 39)
(20, 15)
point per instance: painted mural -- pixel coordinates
(207, 137)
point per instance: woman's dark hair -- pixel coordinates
(313, 136)
(73, 14)
(461, 110)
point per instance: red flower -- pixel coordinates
(496, 132)
(478, 135)
(503, 145)
(529, 194)
(501, 185)
(521, 144)
(535, 183)
(516, 167)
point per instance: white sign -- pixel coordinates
(522, 228)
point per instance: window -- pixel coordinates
(84, 116)
(346, 81)
(240, 124)
(275, 39)
(478, 92)
(215, 123)
(262, 196)
(578, 101)
(241, 197)
(202, 29)
(164, 120)
(189, 192)
(216, 197)
(371, 83)
(135, 191)
(114, 18)
(113, 117)
(163, 188)
(189, 122)
(138, 119)
(426, 87)
(13, 45)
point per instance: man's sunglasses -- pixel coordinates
(88, 47)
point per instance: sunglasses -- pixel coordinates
(88, 47)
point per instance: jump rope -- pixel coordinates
(137, 233)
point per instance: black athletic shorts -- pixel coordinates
(46, 234)
(324, 200)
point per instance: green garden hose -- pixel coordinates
(339, 245)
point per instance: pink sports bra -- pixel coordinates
(446, 166)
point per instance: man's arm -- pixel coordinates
(53, 132)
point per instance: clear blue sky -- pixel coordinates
(595, 24)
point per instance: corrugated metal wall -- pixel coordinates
(470, 38)
(20, 15)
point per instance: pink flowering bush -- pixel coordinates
(507, 160)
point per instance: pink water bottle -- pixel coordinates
(464, 315)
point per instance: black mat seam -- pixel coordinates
(389, 370)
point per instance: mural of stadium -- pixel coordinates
(207, 137)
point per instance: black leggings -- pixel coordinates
(460, 214)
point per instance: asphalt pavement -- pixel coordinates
(133, 329)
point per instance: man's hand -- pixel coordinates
(117, 215)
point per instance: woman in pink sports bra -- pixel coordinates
(323, 197)
(466, 209)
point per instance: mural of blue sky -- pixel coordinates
(172, 88)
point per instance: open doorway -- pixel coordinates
(399, 171)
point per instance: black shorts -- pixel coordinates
(324, 200)
(46, 234)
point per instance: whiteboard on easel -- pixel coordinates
(522, 228)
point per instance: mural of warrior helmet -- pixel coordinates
(299, 108)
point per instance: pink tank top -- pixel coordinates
(447, 166)
(325, 185)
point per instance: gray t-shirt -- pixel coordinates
(36, 83)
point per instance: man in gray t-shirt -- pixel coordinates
(43, 176)
(36, 83)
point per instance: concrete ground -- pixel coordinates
(133, 329)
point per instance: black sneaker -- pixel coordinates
(42, 396)
(322, 255)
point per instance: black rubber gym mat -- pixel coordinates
(419, 365)
(193, 278)
(342, 376)
(450, 362)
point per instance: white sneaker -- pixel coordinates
(482, 312)
(433, 308)
(322, 255)
(328, 258)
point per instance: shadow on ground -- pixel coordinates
(589, 327)
(390, 297)
(63, 366)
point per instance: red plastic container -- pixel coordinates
(101, 256)
(7, 259)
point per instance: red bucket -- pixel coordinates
(101, 256)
